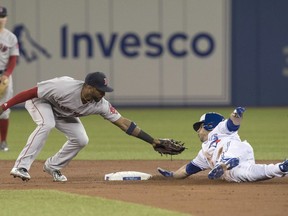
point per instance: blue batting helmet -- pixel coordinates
(210, 121)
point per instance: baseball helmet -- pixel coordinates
(210, 120)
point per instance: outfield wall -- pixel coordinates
(260, 52)
(158, 52)
(154, 52)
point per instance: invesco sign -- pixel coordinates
(130, 44)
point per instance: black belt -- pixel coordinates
(2, 71)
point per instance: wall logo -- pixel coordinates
(128, 44)
(29, 49)
(133, 45)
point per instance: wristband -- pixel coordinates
(131, 128)
(146, 137)
(231, 126)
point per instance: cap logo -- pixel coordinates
(99, 81)
(105, 81)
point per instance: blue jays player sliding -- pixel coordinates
(225, 154)
(59, 103)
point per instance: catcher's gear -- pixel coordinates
(3, 87)
(169, 146)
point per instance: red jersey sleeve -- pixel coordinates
(21, 97)
(11, 65)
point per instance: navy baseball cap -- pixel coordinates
(99, 81)
(3, 12)
(210, 121)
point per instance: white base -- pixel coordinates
(127, 175)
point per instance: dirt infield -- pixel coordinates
(196, 195)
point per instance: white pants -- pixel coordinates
(248, 170)
(42, 114)
(8, 94)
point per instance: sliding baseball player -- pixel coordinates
(225, 154)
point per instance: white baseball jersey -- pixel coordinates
(212, 149)
(8, 47)
(223, 144)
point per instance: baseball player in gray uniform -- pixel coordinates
(9, 53)
(225, 154)
(58, 103)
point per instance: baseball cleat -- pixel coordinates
(20, 173)
(284, 166)
(4, 146)
(220, 168)
(56, 174)
(165, 173)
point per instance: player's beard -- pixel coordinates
(96, 99)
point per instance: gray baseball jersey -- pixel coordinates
(64, 94)
(59, 105)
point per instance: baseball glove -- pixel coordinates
(3, 87)
(170, 147)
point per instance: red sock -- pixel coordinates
(4, 128)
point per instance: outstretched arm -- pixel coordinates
(183, 172)
(19, 98)
(132, 129)
(162, 146)
(235, 119)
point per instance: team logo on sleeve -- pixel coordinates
(3, 47)
(214, 140)
(112, 109)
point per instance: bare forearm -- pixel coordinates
(132, 129)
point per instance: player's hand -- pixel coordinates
(238, 112)
(4, 79)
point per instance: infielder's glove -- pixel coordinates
(3, 87)
(170, 147)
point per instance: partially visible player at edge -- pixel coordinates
(9, 53)
(224, 154)
(59, 103)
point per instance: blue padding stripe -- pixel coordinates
(231, 126)
(192, 169)
(131, 128)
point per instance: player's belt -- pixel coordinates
(2, 71)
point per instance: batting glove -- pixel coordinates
(238, 112)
